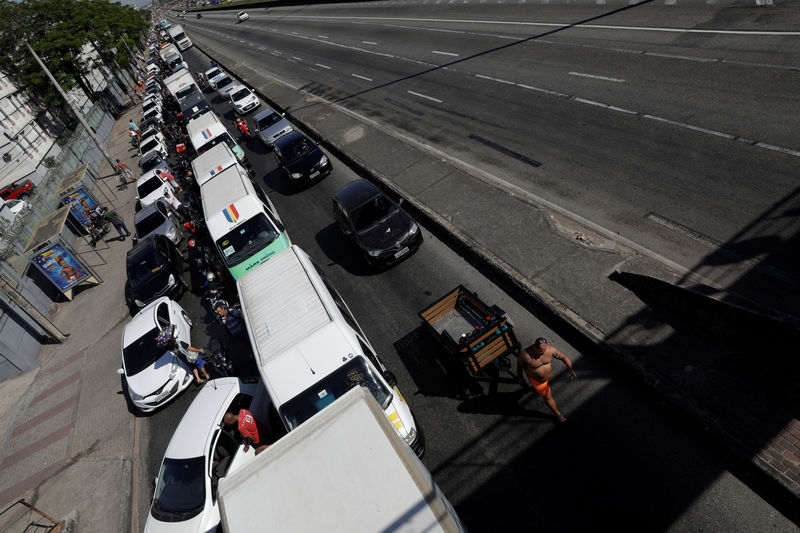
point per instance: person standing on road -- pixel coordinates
(249, 428)
(232, 320)
(177, 206)
(537, 360)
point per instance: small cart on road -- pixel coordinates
(476, 336)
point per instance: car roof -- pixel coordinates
(239, 86)
(147, 210)
(356, 193)
(264, 113)
(289, 138)
(141, 246)
(201, 418)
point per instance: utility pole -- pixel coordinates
(78, 114)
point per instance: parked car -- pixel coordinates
(201, 452)
(270, 125)
(150, 104)
(150, 123)
(380, 228)
(10, 209)
(150, 187)
(154, 219)
(243, 99)
(19, 189)
(300, 158)
(224, 85)
(153, 113)
(153, 133)
(153, 145)
(242, 16)
(154, 376)
(212, 75)
(153, 161)
(154, 267)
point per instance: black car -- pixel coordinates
(147, 123)
(154, 268)
(300, 158)
(378, 226)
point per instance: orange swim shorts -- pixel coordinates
(542, 387)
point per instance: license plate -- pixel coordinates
(401, 253)
(314, 175)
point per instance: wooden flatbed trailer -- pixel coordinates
(472, 333)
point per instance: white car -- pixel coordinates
(150, 187)
(155, 376)
(153, 143)
(212, 75)
(202, 451)
(224, 85)
(9, 209)
(242, 16)
(243, 99)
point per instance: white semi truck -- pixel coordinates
(179, 37)
(345, 469)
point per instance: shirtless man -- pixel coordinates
(538, 363)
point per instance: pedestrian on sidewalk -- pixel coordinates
(134, 128)
(116, 221)
(537, 360)
(125, 170)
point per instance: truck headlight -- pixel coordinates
(411, 436)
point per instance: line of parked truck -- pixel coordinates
(309, 349)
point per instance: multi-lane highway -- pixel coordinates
(638, 129)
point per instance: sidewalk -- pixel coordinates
(724, 355)
(67, 435)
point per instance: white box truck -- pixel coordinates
(180, 84)
(344, 470)
(179, 37)
(168, 51)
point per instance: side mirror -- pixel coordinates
(121, 371)
(134, 240)
(390, 378)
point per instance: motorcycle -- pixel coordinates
(217, 359)
(241, 124)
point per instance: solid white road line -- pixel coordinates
(425, 96)
(362, 77)
(596, 77)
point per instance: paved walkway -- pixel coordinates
(67, 435)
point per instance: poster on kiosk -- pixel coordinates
(49, 252)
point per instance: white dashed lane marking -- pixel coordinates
(362, 77)
(596, 77)
(451, 54)
(323, 66)
(425, 96)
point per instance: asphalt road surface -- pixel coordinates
(622, 460)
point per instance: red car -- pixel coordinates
(17, 190)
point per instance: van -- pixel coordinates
(211, 163)
(206, 131)
(241, 221)
(308, 347)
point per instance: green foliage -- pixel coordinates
(56, 30)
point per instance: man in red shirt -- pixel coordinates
(251, 429)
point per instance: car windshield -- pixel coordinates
(150, 145)
(246, 239)
(142, 353)
(373, 211)
(186, 91)
(179, 36)
(213, 72)
(324, 392)
(150, 163)
(225, 137)
(240, 94)
(265, 122)
(148, 187)
(222, 82)
(149, 133)
(148, 106)
(180, 489)
(144, 265)
(149, 223)
(297, 149)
